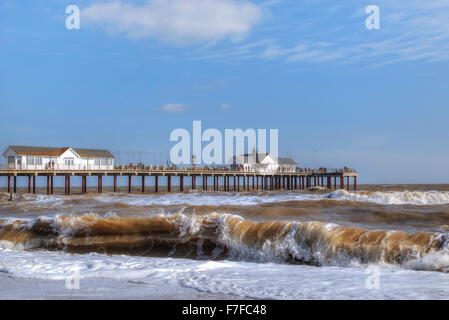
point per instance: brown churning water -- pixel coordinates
(400, 227)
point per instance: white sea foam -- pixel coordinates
(252, 280)
(393, 197)
(246, 199)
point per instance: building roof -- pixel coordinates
(55, 152)
(286, 161)
(249, 158)
(93, 153)
(38, 151)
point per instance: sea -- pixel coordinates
(379, 242)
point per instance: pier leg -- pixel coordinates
(342, 182)
(48, 185)
(193, 182)
(83, 184)
(181, 183)
(143, 184)
(9, 184)
(238, 183)
(99, 184)
(68, 185)
(129, 184)
(15, 184)
(228, 183)
(234, 183)
(51, 185)
(34, 184)
(355, 182)
(335, 182)
(244, 182)
(29, 184)
(169, 183)
(156, 183)
(348, 182)
(115, 183)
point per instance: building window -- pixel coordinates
(97, 161)
(32, 160)
(11, 159)
(106, 162)
(68, 161)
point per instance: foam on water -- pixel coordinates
(252, 280)
(393, 197)
(246, 199)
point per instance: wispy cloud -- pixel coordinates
(410, 31)
(172, 108)
(225, 107)
(177, 21)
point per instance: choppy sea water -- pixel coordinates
(381, 242)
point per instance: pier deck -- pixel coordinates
(241, 181)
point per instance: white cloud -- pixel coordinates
(225, 107)
(414, 30)
(177, 21)
(172, 108)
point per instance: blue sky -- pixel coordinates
(375, 100)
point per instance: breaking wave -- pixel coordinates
(218, 236)
(394, 197)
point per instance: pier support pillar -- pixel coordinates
(193, 182)
(342, 182)
(15, 184)
(335, 182)
(129, 184)
(48, 185)
(355, 182)
(143, 184)
(169, 183)
(34, 184)
(244, 182)
(238, 183)
(115, 183)
(348, 182)
(83, 184)
(9, 184)
(156, 183)
(29, 184)
(100, 184)
(51, 184)
(181, 183)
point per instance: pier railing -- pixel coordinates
(172, 168)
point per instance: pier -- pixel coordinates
(222, 180)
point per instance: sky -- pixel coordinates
(376, 100)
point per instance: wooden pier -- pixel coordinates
(221, 180)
